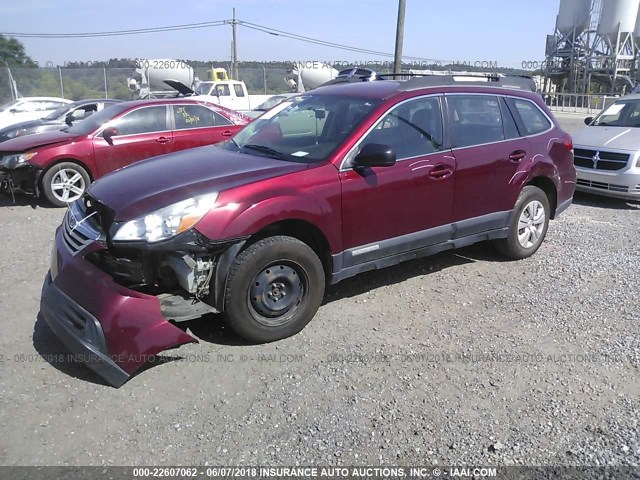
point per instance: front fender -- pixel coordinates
(234, 221)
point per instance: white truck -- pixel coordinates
(231, 94)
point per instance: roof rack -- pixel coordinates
(519, 82)
(415, 80)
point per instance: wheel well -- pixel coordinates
(67, 160)
(305, 232)
(547, 186)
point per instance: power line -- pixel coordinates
(280, 33)
(217, 23)
(187, 26)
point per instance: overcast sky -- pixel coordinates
(503, 31)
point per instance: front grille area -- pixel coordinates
(603, 186)
(78, 229)
(609, 161)
(101, 215)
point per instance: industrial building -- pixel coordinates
(595, 48)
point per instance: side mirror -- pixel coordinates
(375, 155)
(588, 120)
(108, 134)
(68, 119)
(14, 110)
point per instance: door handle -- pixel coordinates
(440, 172)
(227, 133)
(163, 140)
(517, 155)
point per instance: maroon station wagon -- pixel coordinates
(61, 164)
(340, 180)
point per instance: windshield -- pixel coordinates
(203, 88)
(272, 102)
(60, 112)
(96, 120)
(304, 129)
(8, 105)
(623, 113)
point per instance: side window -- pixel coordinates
(143, 120)
(239, 90)
(533, 119)
(475, 120)
(411, 129)
(223, 90)
(196, 116)
(84, 112)
(510, 128)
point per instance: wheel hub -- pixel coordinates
(67, 185)
(531, 224)
(275, 291)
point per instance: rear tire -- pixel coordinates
(273, 290)
(528, 225)
(64, 183)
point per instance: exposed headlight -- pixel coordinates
(167, 222)
(19, 132)
(16, 160)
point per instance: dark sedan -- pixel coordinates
(64, 116)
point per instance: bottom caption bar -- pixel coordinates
(318, 472)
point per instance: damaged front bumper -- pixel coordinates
(113, 329)
(23, 179)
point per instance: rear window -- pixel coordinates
(533, 119)
(197, 116)
(475, 120)
(238, 89)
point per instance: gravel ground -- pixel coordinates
(457, 359)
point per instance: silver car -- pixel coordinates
(607, 152)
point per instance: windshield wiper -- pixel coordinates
(268, 150)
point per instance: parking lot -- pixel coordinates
(461, 358)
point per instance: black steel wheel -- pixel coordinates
(274, 288)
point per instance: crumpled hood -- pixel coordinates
(155, 183)
(30, 142)
(615, 138)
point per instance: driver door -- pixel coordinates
(388, 210)
(141, 133)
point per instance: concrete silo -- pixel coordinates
(613, 52)
(573, 17)
(594, 46)
(568, 46)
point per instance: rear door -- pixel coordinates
(196, 125)
(141, 133)
(489, 150)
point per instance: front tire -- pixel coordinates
(528, 225)
(274, 288)
(64, 183)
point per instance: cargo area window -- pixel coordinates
(533, 119)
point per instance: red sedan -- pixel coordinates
(60, 165)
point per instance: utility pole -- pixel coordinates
(397, 61)
(234, 24)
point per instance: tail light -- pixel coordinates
(567, 141)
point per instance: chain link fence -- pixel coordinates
(109, 82)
